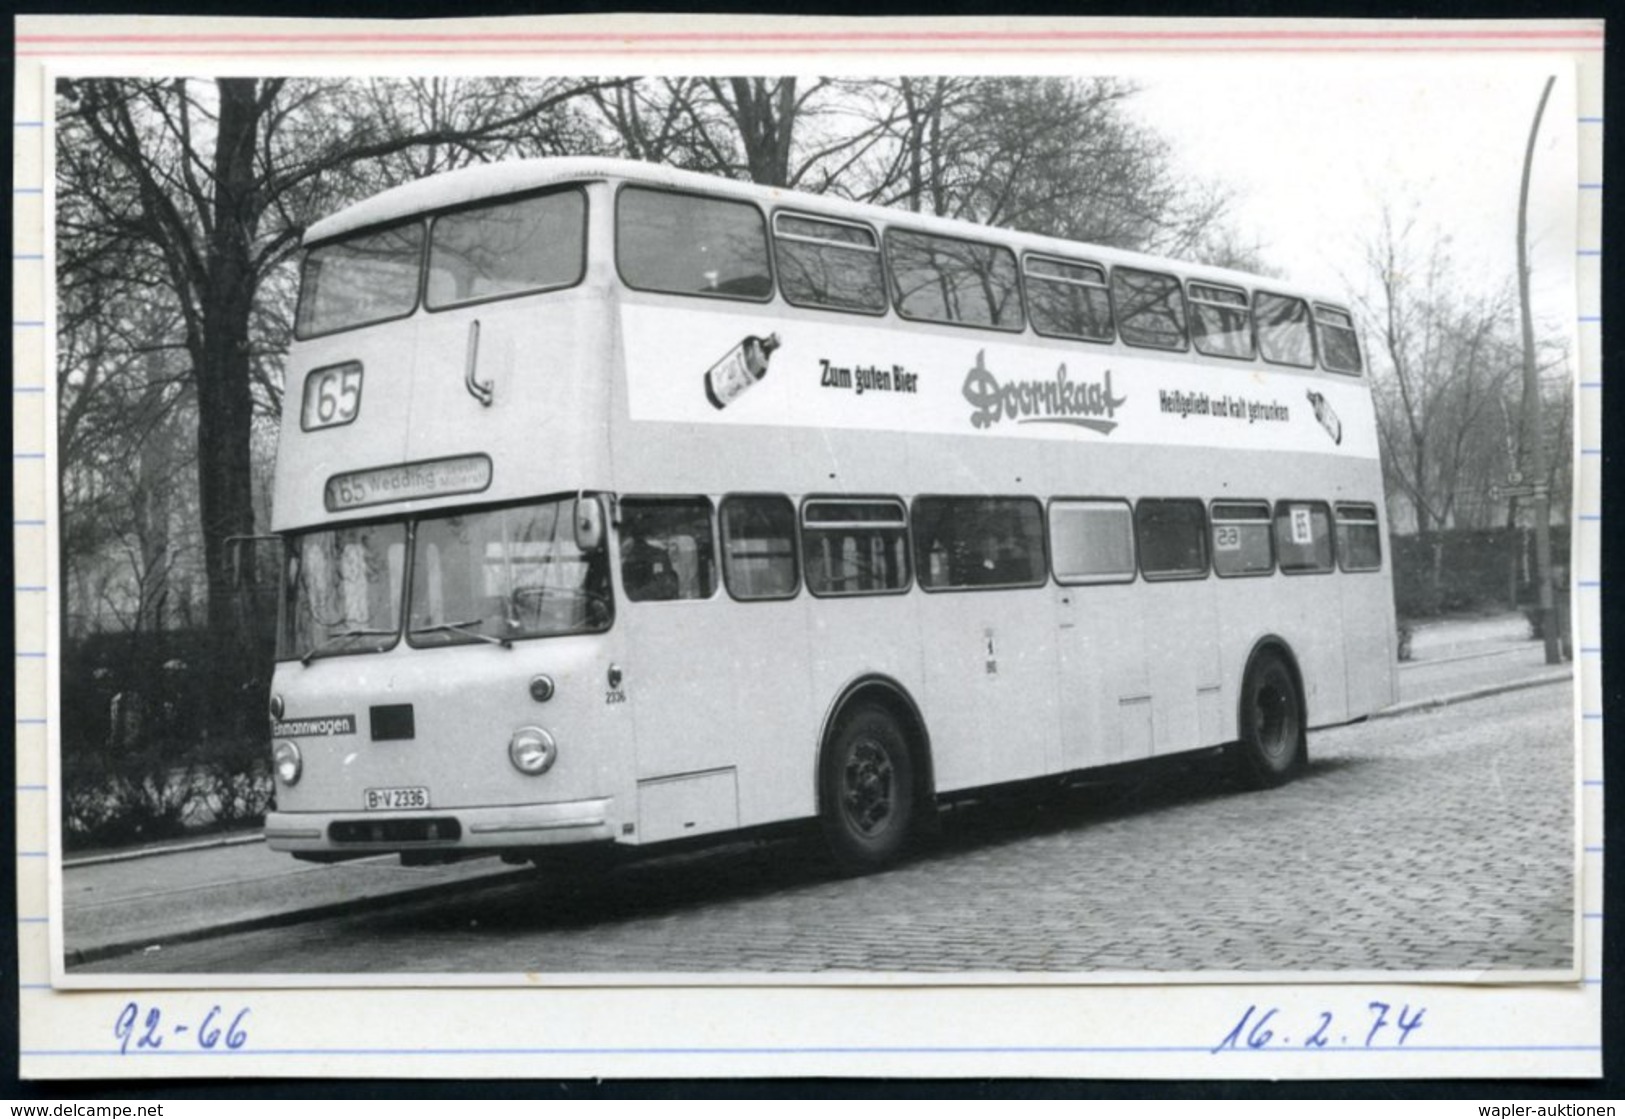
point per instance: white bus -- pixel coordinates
(624, 505)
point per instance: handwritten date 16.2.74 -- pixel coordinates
(1379, 1026)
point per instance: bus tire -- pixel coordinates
(867, 790)
(1274, 739)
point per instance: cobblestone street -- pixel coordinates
(1441, 840)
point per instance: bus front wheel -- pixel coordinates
(1273, 746)
(866, 791)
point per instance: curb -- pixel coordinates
(155, 852)
(1424, 662)
(78, 957)
(1473, 693)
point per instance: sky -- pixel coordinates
(1312, 147)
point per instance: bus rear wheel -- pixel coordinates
(1274, 741)
(866, 791)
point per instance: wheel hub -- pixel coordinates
(867, 786)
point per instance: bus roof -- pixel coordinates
(472, 184)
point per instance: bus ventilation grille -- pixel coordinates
(394, 831)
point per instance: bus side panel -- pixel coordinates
(1180, 624)
(990, 685)
(717, 684)
(851, 638)
(1305, 611)
(1368, 634)
(1104, 692)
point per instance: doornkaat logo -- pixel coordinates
(1059, 400)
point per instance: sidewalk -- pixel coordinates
(141, 901)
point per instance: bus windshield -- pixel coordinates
(343, 591)
(503, 574)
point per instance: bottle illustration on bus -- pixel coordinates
(1328, 418)
(739, 369)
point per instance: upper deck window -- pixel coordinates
(1219, 321)
(691, 244)
(508, 248)
(944, 279)
(1283, 330)
(1339, 345)
(825, 263)
(362, 279)
(1150, 309)
(1068, 299)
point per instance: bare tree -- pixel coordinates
(1446, 362)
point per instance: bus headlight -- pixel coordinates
(532, 751)
(285, 759)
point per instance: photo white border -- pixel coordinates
(850, 1025)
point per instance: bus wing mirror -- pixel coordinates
(589, 524)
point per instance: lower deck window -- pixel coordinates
(1359, 538)
(1091, 541)
(855, 546)
(1242, 538)
(1303, 536)
(666, 549)
(969, 542)
(759, 546)
(1172, 538)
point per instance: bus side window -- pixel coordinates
(1172, 538)
(855, 546)
(1068, 299)
(945, 279)
(1091, 541)
(759, 546)
(690, 244)
(829, 264)
(970, 542)
(1283, 330)
(1219, 321)
(1242, 538)
(1339, 344)
(1303, 536)
(666, 550)
(1359, 538)
(1150, 308)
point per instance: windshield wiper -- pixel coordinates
(337, 637)
(466, 629)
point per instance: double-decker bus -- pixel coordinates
(623, 505)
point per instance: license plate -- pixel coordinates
(378, 799)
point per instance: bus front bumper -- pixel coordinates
(473, 830)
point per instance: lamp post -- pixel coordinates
(1533, 441)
